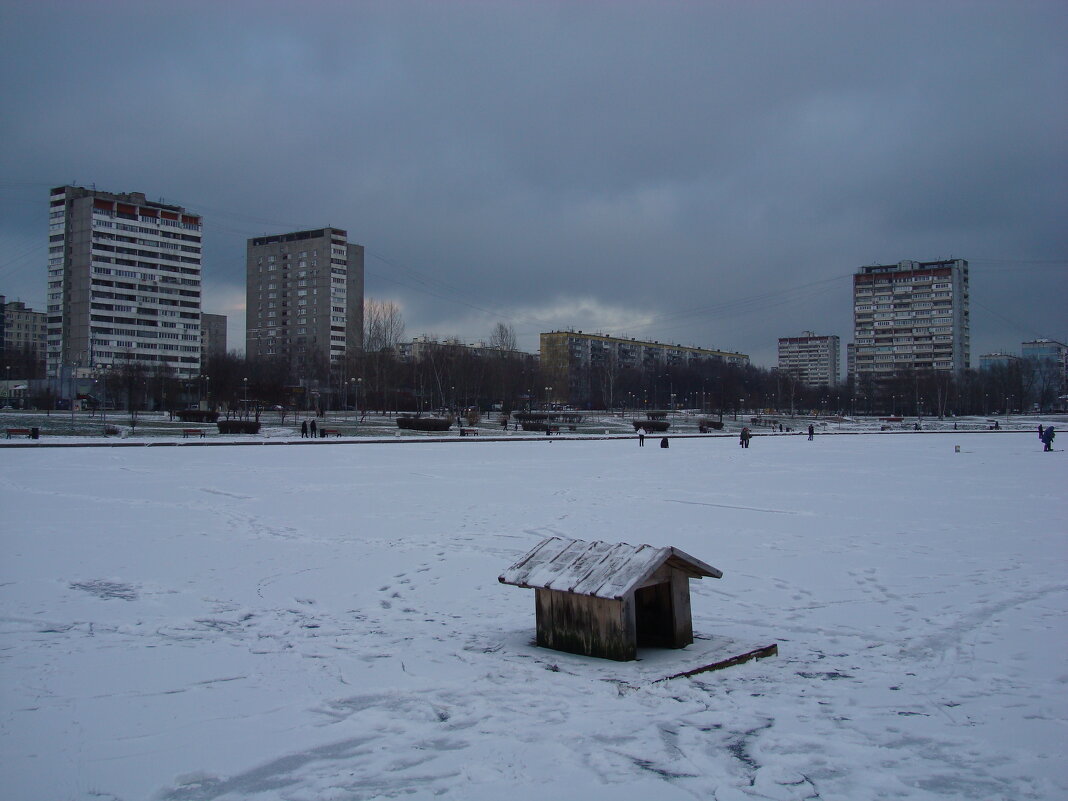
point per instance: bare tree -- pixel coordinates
(383, 325)
(503, 337)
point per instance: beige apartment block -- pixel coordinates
(123, 283)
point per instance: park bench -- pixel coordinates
(329, 432)
(192, 432)
(18, 432)
(468, 432)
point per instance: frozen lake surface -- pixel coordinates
(325, 623)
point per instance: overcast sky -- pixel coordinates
(701, 173)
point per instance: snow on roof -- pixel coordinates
(600, 569)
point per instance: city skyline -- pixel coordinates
(709, 176)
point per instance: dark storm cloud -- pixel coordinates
(684, 171)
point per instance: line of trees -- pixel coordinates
(453, 376)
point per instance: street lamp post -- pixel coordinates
(105, 399)
(73, 392)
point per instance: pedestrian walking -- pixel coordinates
(1047, 438)
(641, 437)
(811, 432)
(303, 429)
(312, 428)
(743, 438)
(1040, 431)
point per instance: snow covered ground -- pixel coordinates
(313, 622)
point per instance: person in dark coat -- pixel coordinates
(1040, 431)
(311, 429)
(743, 438)
(811, 432)
(1047, 438)
(303, 429)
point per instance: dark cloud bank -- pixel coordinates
(704, 173)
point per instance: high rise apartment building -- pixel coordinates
(911, 316)
(304, 298)
(212, 336)
(123, 283)
(811, 359)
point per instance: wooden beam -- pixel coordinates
(759, 653)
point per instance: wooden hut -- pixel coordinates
(607, 599)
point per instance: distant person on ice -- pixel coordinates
(641, 437)
(1047, 438)
(743, 438)
(811, 432)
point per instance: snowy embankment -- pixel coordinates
(326, 622)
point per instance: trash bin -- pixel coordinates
(35, 433)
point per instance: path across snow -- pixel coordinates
(302, 623)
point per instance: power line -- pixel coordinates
(1015, 323)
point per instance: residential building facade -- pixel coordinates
(304, 298)
(24, 336)
(212, 336)
(1051, 358)
(571, 358)
(422, 347)
(811, 359)
(998, 359)
(911, 316)
(124, 279)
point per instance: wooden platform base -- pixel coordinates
(707, 653)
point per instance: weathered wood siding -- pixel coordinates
(680, 607)
(663, 603)
(584, 624)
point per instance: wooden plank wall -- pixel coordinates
(680, 605)
(583, 624)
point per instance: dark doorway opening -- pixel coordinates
(654, 619)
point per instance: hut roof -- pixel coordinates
(601, 569)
